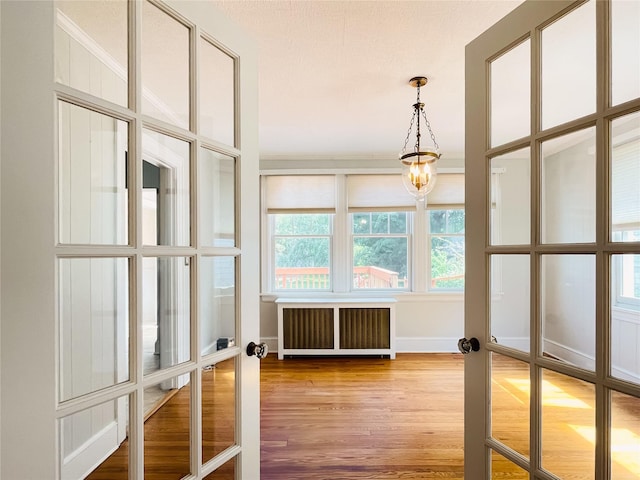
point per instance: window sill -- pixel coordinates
(404, 297)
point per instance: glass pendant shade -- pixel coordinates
(419, 176)
(419, 165)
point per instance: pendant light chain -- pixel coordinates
(433, 137)
(419, 106)
(406, 140)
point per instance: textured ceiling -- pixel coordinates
(333, 78)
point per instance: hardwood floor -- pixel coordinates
(356, 418)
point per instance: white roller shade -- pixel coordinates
(387, 193)
(379, 193)
(448, 192)
(300, 193)
(625, 186)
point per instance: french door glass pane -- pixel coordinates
(165, 312)
(511, 198)
(91, 47)
(226, 472)
(217, 80)
(165, 67)
(502, 469)
(94, 324)
(218, 408)
(625, 50)
(625, 178)
(165, 206)
(569, 87)
(625, 317)
(92, 166)
(510, 396)
(217, 199)
(510, 308)
(625, 437)
(85, 436)
(569, 188)
(567, 290)
(167, 432)
(568, 426)
(217, 303)
(511, 94)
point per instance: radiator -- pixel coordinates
(344, 326)
(308, 328)
(364, 328)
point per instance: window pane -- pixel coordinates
(302, 263)
(510, 315)
(361, 223)
(105, 425)
(380, 262)
(446, 243)
(165, 205)
(625, 437)
(217, 77)
(503, 468)
(218, 303)
(446, 221)
(94, 324)
(568, 306)
(438, 221)
(379, 223)
(511, 198)
(92, 171)
(568, 426)
(217, 193)
(511, 94)
(625, 50)
(625, 176)
(569, 188)
(302, 224)
(91, 47)
(625, 316)
(510, 397)
(167, 432)
(227, 471)
(447, 262)
(218, 408)
(165, 67)
(569, 87)
(166, 311)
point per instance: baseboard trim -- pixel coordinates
(403, 344)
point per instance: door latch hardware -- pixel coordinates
(260, 350)
(466, 346)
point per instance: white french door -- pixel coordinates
(553, 243)
(129, 220)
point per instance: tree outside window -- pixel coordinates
(302, 251)
(380, 250)
(446, 241)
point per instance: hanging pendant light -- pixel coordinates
(419, 165)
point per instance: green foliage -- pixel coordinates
(447, 248)
(302, 252)
(389, 253)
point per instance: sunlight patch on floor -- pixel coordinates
(625, 446)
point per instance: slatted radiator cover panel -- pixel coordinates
(308, 328)
(362, 328)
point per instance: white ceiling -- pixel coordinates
(333, 78)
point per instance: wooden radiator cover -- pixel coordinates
(337, 326)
